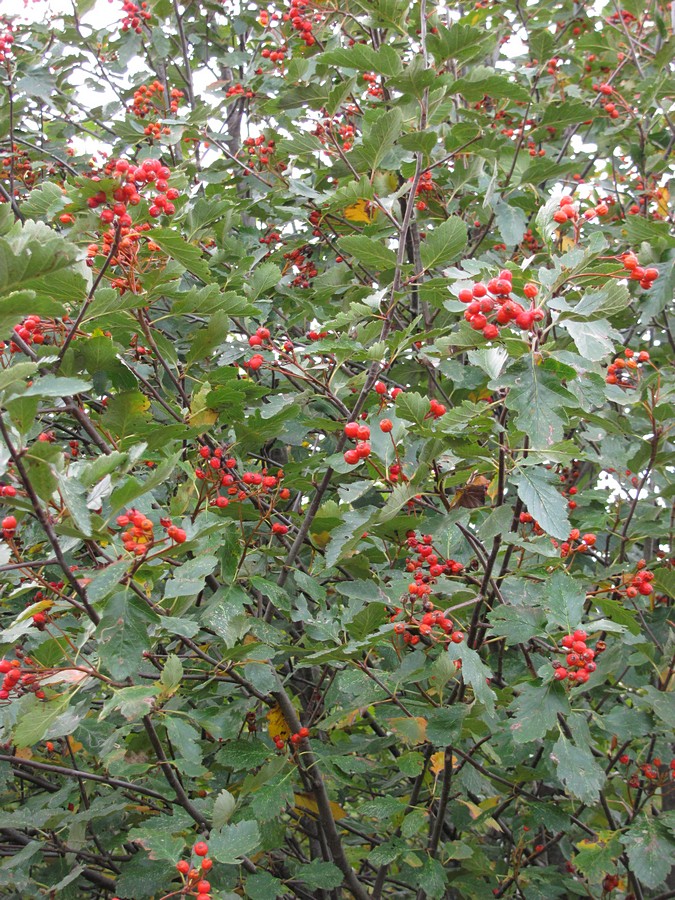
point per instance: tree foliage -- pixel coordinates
(335, 404)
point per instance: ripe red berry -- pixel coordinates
(386, 425)
(457, 637)
(201, 848)
(9, 523)
(183, 867)
(352, 429)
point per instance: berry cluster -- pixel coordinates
(140, 537)
(414, 629)
(277, 55)
(20, 677)
(261, 337)
(260, 150)
(151, 98)
(640, 582)
(567, 211)
(375, 89)
(381, 389)
(577, 543)
(527, 518)
(362, 450)
(219, 472)
(646, 277)
(299, 259)
(134, 15)
(238, 90)
(125, 256)
(133, 179)
(195, 882)
(625, 370)
(301, 23)
(495, 299)
(294, 739)
(346, 131)
(21, 165)
(9, 524)
(425, 186)
(579, 658)
(30, 330)
(6, 41)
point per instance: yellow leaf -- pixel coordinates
(567, 243)
(412, 730)
(307, 803)
(320, 539)
(200, 413)
(437, 762)
(74, 745)
(361, 211)
(664, 197)
(23, 753)
(276, 723)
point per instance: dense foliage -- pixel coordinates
(335, 403)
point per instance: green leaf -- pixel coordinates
(230, 843)
(613, 298)
(536, 488)
(35, 719)
(593, 340)
(172, 673)
(185, 739)
(265, 276)
(578, 770)
(538, 399)
(381, 132)
(263, 886)
(188, 255)
(74, 497)
(371, 253)
(511, 222)
(244, 755)
(223, 808)
(123, 634)
(44, 202)
(535, 711)
(412, 407)
(433, 879)
(516, 623)
(650, 851)
(475, 673)
(564, 600)
(384, 60)
(52, 386)
(320, 875)
(596, 858)
(444, 244)
(482, 80)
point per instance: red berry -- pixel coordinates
(352, 429)
(201, 848)
(386, 425)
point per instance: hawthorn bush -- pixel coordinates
(336, 490)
